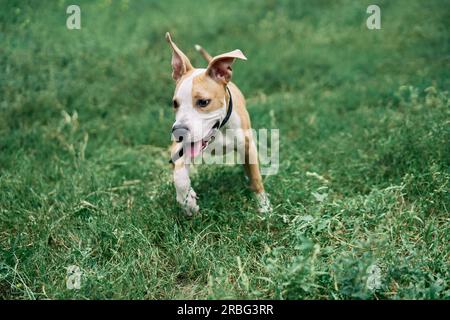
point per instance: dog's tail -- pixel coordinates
(203, 52)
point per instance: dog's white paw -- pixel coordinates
(264, 205)
(189, 202)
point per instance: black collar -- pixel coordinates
(229, 111)
(179, 153)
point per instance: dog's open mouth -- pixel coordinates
(195, 148)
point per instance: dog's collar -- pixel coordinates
(229, 111)
(179, 153)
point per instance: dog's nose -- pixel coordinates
(179, 132)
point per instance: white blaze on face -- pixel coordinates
(198, 123)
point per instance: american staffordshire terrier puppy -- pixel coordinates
(206, 104)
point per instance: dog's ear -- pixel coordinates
(219, 68)
(180, 63)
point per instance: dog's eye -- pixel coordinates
(175, 104)
(203, 102)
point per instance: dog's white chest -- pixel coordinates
(228, 139)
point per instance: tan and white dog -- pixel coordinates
(206, 101)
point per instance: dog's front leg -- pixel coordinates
(186, 196)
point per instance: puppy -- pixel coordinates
(206, 104)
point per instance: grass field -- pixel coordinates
(363, 183)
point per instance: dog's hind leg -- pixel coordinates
(251, 167)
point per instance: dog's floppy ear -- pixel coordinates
(180, 63)
(219, 68)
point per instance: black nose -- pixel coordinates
(179, 132)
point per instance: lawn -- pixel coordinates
(362, 190)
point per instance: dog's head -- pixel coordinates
(200, 97)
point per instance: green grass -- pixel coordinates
(84, 134)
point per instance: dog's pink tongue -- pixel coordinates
(194, 149)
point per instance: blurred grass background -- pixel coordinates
(364, 123)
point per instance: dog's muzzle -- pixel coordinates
(180, 133)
